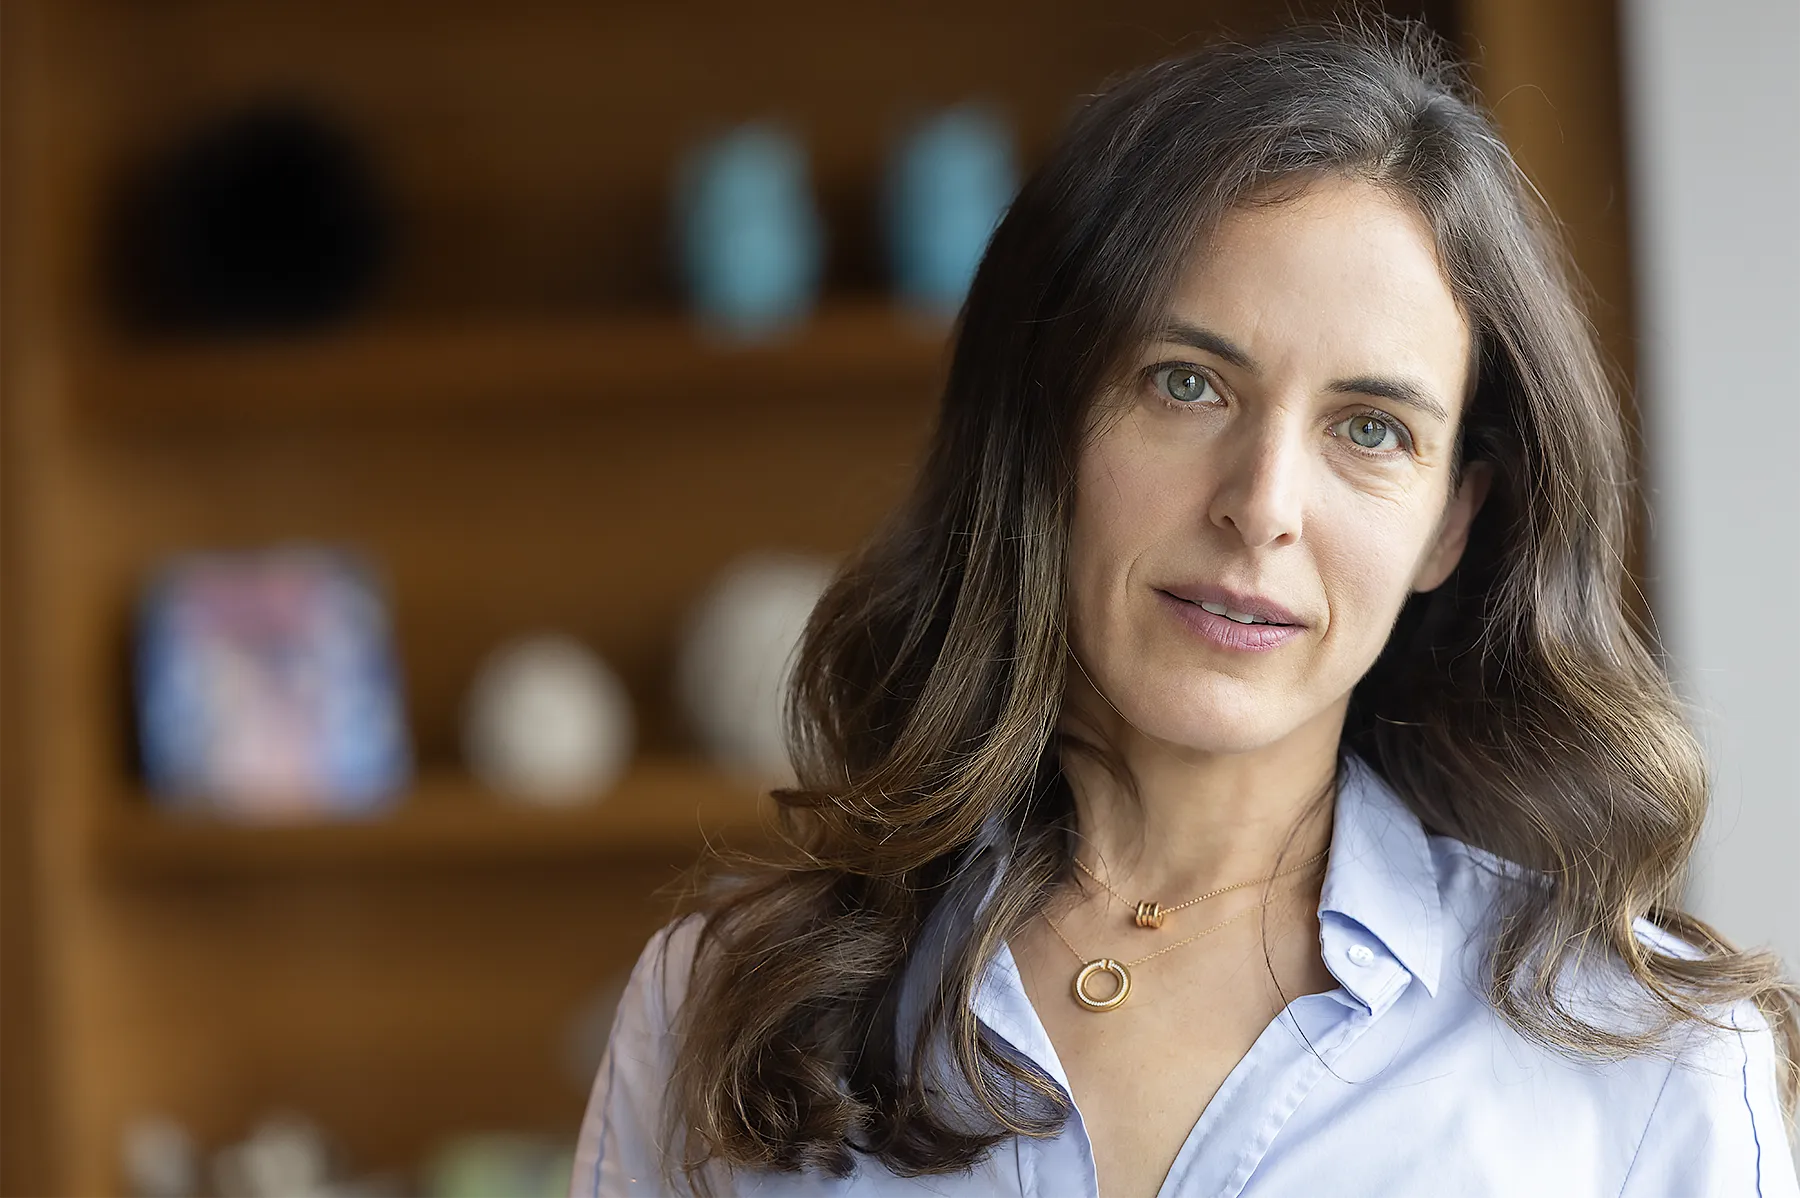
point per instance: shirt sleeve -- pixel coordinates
(1717, 1130)
(621, 1147)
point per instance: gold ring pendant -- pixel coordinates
(1103, 965)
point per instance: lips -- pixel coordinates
(1239, 606)
(1228, 632)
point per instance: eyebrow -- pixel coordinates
(1182, 333)
(1400, 391)
(1394, 390)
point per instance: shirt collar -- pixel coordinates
(1381, 879)
(1380, 884)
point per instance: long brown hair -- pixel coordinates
(1517, 707)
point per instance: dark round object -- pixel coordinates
(267, 220)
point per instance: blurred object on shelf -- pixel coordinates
(267, 685)
(547, 721)
(738, 654)
(285, 1156)
(584, 1043)
(751, 243)
(159, 1158)
(500, 1165)
(290, 1156)
(267, 219)
(948, 183)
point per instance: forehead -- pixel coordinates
(1341, 277)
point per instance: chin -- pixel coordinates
(1211, 714)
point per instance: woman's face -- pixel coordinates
(1282, 451)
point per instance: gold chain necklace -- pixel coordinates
(1150, 915)
(1121, 970)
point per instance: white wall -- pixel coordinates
(1712, 97)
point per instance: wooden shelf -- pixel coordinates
(666, 807)
(408, 372)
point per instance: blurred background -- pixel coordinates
(424, 426)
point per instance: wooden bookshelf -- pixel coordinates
(523, 431)
(663, 809)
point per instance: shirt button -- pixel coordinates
(1361, 954)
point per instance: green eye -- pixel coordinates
(1182, 384)
(1372, 432)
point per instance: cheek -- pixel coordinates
(1367, 559)
(1124, 503)
(1093, 553)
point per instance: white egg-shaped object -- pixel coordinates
(737, 656)
(547, 721)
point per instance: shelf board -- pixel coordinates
(611, 364)
(663, 808)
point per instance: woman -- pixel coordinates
(1235, 770)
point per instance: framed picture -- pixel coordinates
(267, 685)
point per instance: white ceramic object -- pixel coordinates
(159, 1158)
(287, 1156)
(547, 721)
(737, 655)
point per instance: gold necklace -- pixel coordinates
(1150, 915)
(1121, 970)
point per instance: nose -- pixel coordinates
(1260, 489)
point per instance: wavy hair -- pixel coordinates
(1518, 707)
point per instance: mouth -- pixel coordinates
(1236, 625)
(1239, 608)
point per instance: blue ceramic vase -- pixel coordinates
(750, 241)
(948, 184)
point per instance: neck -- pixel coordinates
(1194, 820)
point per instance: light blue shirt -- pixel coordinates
(1405, 1084)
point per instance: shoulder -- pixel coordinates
(644, 1029)
(1714, 1123)
(658, 983)
(622, 1146)
(1717, 1127)
(1719, 1117)
(659, 980)
(1474, 884)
